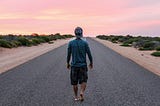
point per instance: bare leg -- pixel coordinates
(83, 87)
(75, 88)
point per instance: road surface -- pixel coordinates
(114, 81)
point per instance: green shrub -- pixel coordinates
(45, 38)
(24, 41)
(53, 38)
(158, 48)
(114, 42)
(104, 37)
(5, 43)
(113, 39)
(131, 40)
(15, 43)
(120, 40)
(157, 39)
(58, 36)
(33, 43)
(36, 41)
(1, 37)
(141, 48)
(125, 45)
(149, 45)
(157, 54)
(41, 40)
(68, 36)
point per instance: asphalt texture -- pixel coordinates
(114, 81)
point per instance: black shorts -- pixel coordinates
(78, 75)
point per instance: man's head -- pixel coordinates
(78, 32)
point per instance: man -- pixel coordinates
(78, 49)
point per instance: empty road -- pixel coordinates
(114, 81)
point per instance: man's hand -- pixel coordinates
(68, 66)
(90, 66)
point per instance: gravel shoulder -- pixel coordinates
(142, 58)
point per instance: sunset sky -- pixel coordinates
(135, 17)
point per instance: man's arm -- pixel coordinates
(68, 55)
(89, 55)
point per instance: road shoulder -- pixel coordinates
(11, 58)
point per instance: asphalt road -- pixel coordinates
(114, 81)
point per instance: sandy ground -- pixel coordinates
(142, 58)
(10, 58)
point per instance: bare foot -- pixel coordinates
(81, 97)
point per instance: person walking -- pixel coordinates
(77, 49)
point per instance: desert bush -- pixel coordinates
(138, 44)
(1, 37)
(156, 43)
(42, 40)
(36, 41)
(68, 36)
(143, 43)
(28, 40)
(57, 36)
(24, 41)
(13, 44)
(157, 54)
(5, 43)
(149, 45)
(158, 48)
(53, 38)
(16, 43)
(102, 37)
(157, 39)
(113, 39)
(33, 43)
(131, 40)
(12, 37)
(45, 38)
(141, 48)
(122, 39)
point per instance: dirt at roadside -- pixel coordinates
(142, 58)
(10, 58)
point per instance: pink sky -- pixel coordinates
(135, 17)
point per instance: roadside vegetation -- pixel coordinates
(139, 42)
(157, 54)
(12, 41)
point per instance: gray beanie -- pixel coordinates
(78, 32)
